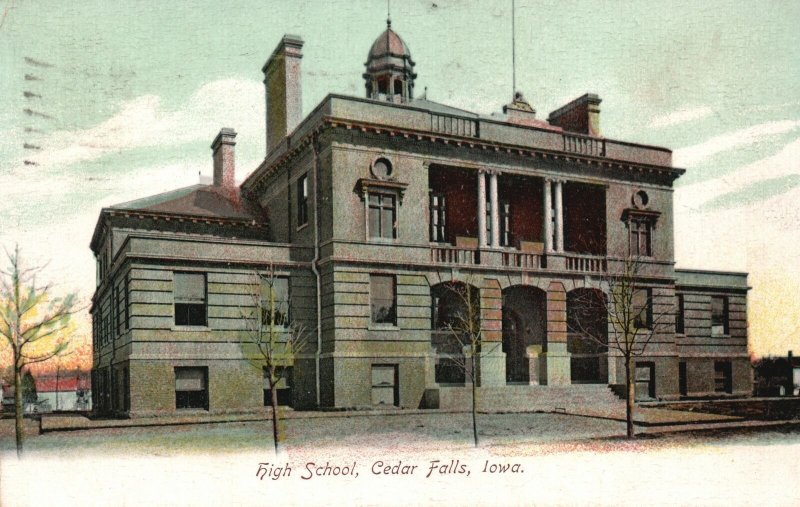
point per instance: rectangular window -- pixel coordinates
(302, 200)
(275, 301)
(723, 377)
(719, 315)
(283, 386)
(640, 237)
(190, 299)
(642, 309)
(191, 387)
(383, 299)
(384, 384)
(382, 216)
(679, 323)
(121, 304)
(505, 224)
(438, 218)
(682, 381)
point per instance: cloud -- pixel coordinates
(750, 183)
(681, 116)
(146, 122)
(693, 155)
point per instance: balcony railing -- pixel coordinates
(586, 263)
(454, 255)
(585, 145)
(522, 260)
(454, 125)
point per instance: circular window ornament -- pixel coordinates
(640, 199)
(382, 169)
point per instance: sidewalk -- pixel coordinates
(643, 417)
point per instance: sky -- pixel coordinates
(125, 98)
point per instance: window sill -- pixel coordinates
(724, 335)
(382, 241)
(190, 328)
(383, 327)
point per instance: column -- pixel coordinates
(559, 216)
(547, 227)
(481, 208)
(495, 208)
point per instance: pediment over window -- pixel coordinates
(366, 186)
(645, 215)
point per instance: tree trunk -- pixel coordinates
(19, 428)
(631, 394)
(474, 400)
(273, 401)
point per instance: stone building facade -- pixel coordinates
(377, 215)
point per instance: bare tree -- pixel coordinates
(273, 340)
(33, 322)
(458, 311)
(623, 320)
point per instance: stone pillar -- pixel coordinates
(548, 216)
(559, 216)
(495, 207)
(492, 359)
(557, 357)
(481, 208)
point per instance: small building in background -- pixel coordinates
(777, 376)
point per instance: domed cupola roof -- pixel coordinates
(390, 69)
(388, 50)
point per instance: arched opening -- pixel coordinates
(524, 333)
(455, 324)
(383, 85)
(587, 336)
(398, 87)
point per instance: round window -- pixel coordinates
(640, 199)
(381, 168)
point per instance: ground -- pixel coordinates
(560, 460)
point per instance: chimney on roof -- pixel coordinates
(224, 158)
(582, 115)
(283, 90)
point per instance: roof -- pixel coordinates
(64, 383)
(388, 43)
(198, 200)
(437, 107)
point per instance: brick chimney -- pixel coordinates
(283, 89)
(582, 115)
(224, 158)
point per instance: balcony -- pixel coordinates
(447, 254)
(517, 260)
(523, 260)
(586, 263)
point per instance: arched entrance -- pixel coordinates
(524, 332)
(587, 336)
(456, 322)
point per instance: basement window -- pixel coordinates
(191, 387)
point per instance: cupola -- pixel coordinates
(390, 69)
